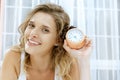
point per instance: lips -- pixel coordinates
(31, 42)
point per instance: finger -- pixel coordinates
(88, 42)
(66, 47)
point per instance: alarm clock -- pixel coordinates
(75, 38)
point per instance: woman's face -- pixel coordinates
(41, 34)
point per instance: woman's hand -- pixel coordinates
(83, 59)
(82, 54)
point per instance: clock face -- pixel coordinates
(74, 35)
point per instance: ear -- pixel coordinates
(57, 42)
(56, 45)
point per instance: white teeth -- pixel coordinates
(33, 42)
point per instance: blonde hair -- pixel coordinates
(60, 58)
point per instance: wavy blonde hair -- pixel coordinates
(59, 56)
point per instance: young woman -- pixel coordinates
(43, 53)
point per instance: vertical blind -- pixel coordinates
(1, 26)
(99, 19)
(102, 24)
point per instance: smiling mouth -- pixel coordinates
(33, 43)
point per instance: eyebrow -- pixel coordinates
(46, 26)
(32, 22)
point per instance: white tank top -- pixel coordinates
(22, 75)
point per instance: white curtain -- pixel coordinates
(99, 19)
(102, 17)
(1, 25)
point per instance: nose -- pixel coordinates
(34, 33)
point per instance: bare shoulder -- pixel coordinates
(75, 72)
(11, 56)
(12, 59)
(10, 65)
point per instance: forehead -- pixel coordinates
(42, 18)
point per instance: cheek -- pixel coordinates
(51, 39)
(27, 32)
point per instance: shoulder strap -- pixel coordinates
(22, 75)
(56, 74)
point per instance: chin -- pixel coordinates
(29, 49)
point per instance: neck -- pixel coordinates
(41, 63)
